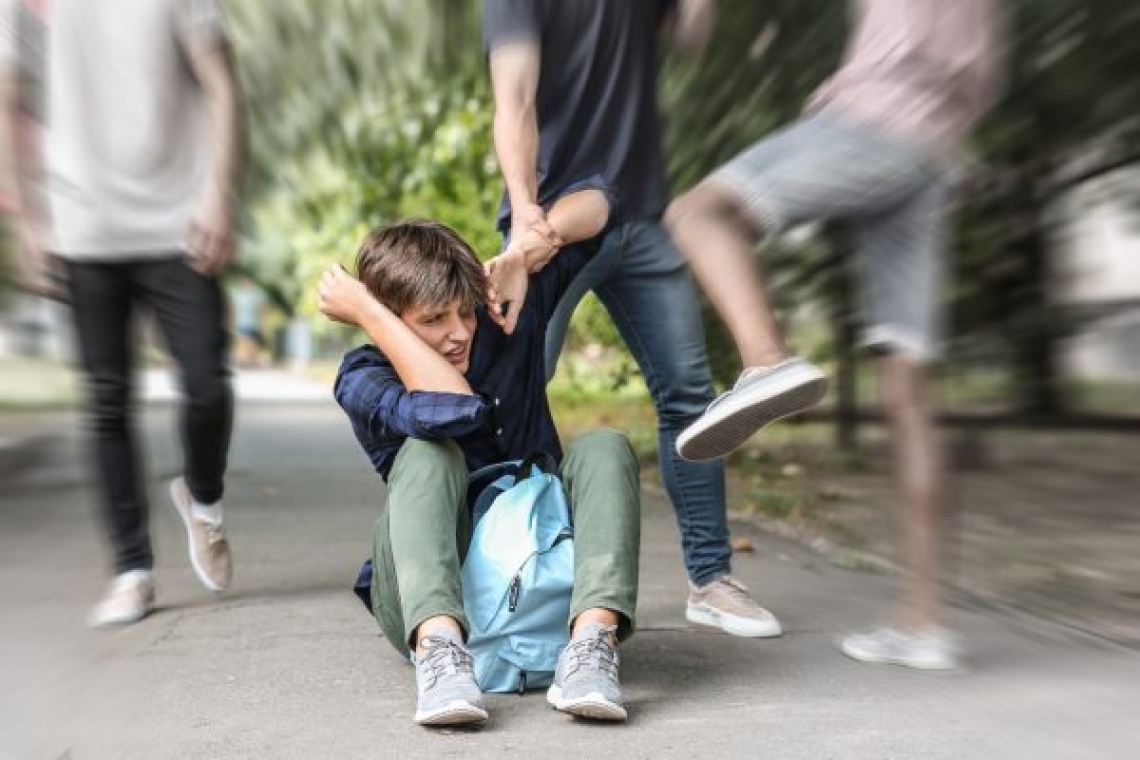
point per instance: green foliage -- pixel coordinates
(361, 113)
(365, 111)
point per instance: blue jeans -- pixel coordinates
(645, 286)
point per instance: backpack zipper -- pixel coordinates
(515, 588)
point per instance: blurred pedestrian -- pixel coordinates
(248, 303)
(876, 148)
(575, 97)
(141, 156)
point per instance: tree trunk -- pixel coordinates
(1036, 328)
(845, 336)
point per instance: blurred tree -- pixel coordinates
(1069, 115)
(360, 112)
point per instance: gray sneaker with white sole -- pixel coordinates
(586, 680)
(761, 395)
(448, 694)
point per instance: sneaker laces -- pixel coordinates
(595, 652)
(445, 657)
(214, 533)
(735, 589)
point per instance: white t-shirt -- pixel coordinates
(126, 146)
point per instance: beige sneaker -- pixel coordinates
(209, 549)
(128, 600)
(725, 604)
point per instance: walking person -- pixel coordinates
(141, 156)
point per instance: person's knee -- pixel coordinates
(207, 388)
(704, 201)
(418, 460)
(903, 385)
(109, 401)
(604, 445)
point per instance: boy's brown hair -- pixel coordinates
(420, 262)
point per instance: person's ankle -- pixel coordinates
(442, 625)
(590, 621)
(768, 357)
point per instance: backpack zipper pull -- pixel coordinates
(513, 593)
(522, 683)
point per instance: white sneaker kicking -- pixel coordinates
(930, 650)
(761, 395)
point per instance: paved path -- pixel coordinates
(288, 665)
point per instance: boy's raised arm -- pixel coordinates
(345, 299)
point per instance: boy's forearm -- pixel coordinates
(579, 216)
(419, 366)
(214, 65)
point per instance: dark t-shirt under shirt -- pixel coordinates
(597, 94)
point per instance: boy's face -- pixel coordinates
(447, 329)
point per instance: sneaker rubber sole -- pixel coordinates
(735, 625)
(593, 705)
(454, 713)
(727, 425)
(180, 496)
(929, 664)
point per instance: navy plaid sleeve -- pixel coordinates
(380, 407)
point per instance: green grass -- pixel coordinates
(27, 384)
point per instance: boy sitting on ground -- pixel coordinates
(443, 392)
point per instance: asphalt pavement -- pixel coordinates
(287, 664)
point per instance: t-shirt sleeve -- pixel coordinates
(507, 21)
(199, 22)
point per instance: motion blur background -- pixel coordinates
(360, 112)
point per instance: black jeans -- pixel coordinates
(190, 312)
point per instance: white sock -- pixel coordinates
(211, 513)
(131, 577)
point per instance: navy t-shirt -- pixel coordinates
(597, 94)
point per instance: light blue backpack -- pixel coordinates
(518, 577)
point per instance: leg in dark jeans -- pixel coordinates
(190, 312)
(644, 285)
(101, 297)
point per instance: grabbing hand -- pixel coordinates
(341, 296)
(507, 281)
(530, 219)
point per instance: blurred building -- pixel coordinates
(1099, 278)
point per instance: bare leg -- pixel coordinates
(918, 465)
(715, 237)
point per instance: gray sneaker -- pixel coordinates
(725, 603)
(586, 679)
(445, 680)
(761, 395)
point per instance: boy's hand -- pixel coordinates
(507, 281)
(38, 271)
(342, 297)
(212, 238)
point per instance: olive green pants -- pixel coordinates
(421, 539)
